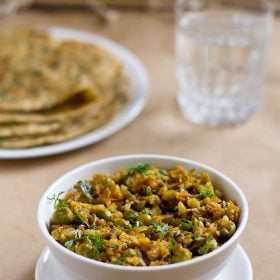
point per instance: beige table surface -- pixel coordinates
(248, 153)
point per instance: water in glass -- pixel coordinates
(220, 64)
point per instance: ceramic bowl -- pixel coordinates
(200, 268)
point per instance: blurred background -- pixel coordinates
(167, 4)
(105, 8)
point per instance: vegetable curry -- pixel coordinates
(144, 216)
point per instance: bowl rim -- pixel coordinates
(197, 260)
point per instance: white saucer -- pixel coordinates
(238, 268)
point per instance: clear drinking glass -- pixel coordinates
(8, 7)
(221, 48)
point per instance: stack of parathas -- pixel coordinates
(52, 91)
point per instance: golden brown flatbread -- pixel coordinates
(38, 72)
(82, 103)
(52, 91)
(68, 131)
(26, 129)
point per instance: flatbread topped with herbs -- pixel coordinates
(38, 72)
(48, 85)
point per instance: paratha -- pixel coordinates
(26, 129)
(73, 108)
(52, 90)
(38, 72)
(69, 131)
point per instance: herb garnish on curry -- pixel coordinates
(144, 216)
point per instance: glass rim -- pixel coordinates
(264, 6)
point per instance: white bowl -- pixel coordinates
(200, 268)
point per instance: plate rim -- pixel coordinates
(124, 117)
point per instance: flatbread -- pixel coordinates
(52, 91)
(28, 129)
(69, 131)
(38, 72)
(82, 103)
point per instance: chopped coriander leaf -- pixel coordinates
(140, 168)
(165, 229)
(173, 243)
(132, 218)
(119, 262)
(78, 234)
(146, 210)
(97, 243)
(161, 230)
(147, 191)
(133, 221)
(57, 201)
(61, 203)
(209, 245)
(163, 172)
(93, 225)
(69, 244)
(112, 245)
(199, 239)
(186, 224)
(86, 188)
(138, 223)
(80, 218)
(204, 192)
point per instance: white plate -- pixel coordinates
(238, 268)
(138, 92)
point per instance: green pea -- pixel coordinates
(106, 215)
(153, 254)
(145, 219)
(130, 214)
(181, 254)
(122, 223)
(62, 216)
(228, 230)
(129, 252)
(85, 249)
